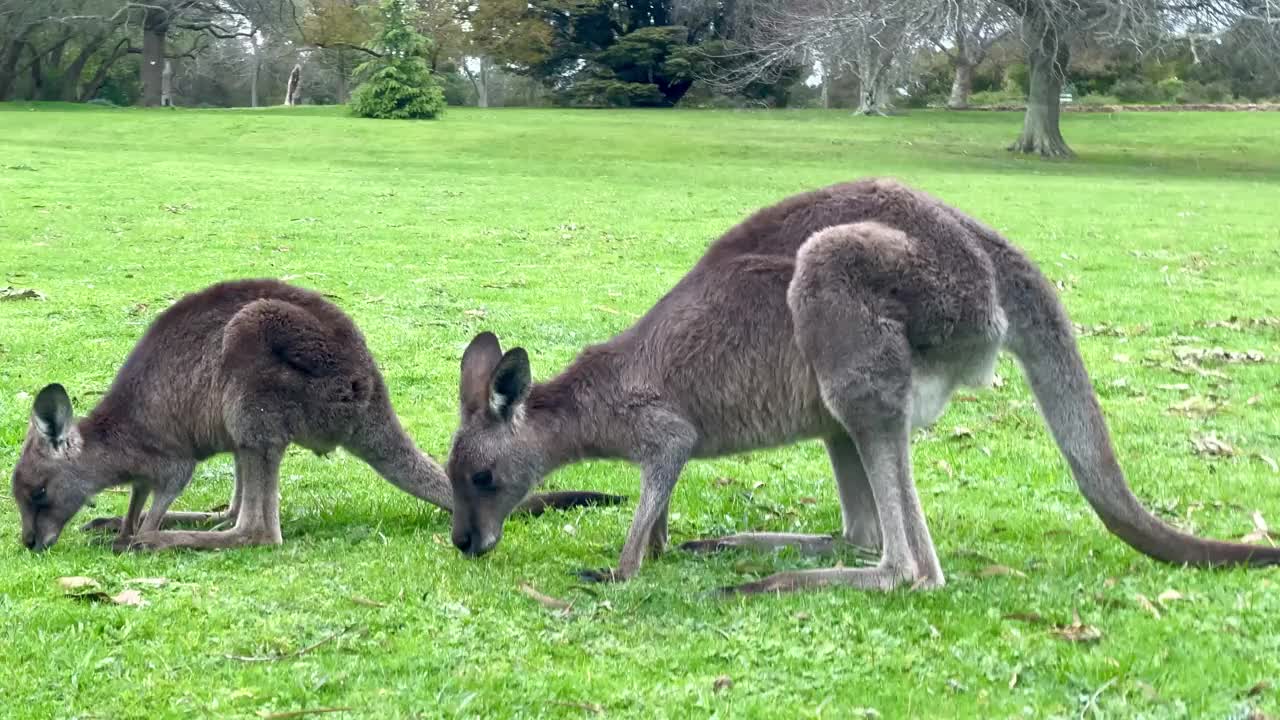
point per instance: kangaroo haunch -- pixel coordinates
(246, 367)
(848, 314)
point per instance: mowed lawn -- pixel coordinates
(556, 229)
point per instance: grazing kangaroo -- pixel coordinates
(848, 314)
(246, 367)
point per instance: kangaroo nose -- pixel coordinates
(462, 541)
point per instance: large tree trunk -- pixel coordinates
(255, 71)
(1047, 56)
(293, 89)
(71, 78)
(961, 85)
(155, 26)
(344, 92)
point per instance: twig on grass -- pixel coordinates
(288, 656)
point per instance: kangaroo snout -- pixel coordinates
(473, 543)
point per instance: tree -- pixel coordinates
(871, 39)
(969, 29)
(399, 84)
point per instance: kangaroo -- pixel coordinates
(847, 314)
(246, 367)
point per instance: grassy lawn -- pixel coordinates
(555, 229)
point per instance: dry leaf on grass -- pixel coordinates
(1077, 631)
(1147, 605)
(724, 682)
(13, 293)
(366, 602)
(149, 582)
(1210, 446)
(1260, 530)
(77, 583)
(993, 570)
(1189, 355)
(961, 431)
(85, 588)
(1258, 688)
(1269, 462)
(1196, 406)
(1169, 596)
(546, 601)
(132, 598)
(1174, 386)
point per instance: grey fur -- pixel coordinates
(849, 314)
(246, 367)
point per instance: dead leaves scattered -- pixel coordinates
(1237, 323)
(1197, 406)
(1210, 445)
(13, 293)
(1077, 631)
(1191, 355)
(86, 588)
(722, 683)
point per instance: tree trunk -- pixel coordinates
(1047, 56)
(344, 93)
(90, 90)
(961, 85)
(256, 71)
(293, 89)
(155, 26)
(71, 78)
(166, 84)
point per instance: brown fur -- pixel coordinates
(847, 314)
(246, 367)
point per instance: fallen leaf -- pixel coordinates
(1196, 406)
(1147, 605)
(1258, 688)
(1253, 400)
(607, 309)
(1077, 631)
(1013, 679)
(474, 313)
(12, 293)
(1174, 386)
(961, 431)
(725, 481)
(132, 598)
(362, 600)
(992, 570)
(724, 682)
(546, 601)
(1169, 596)
(1269, 462)
(1120, 358)
(1211, 446)
(1120, 382)
(945, 467)
(1260, 530)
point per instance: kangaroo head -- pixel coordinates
(495, 461)
(48, 483)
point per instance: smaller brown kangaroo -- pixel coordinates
(246, 367)
(847, 314)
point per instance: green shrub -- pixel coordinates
(997, 97)
(1017, 79)
(1095, 99)
(1170, 89)
(1134, 90)
(1196, 93)
(398, 84)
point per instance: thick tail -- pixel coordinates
(1041, 337)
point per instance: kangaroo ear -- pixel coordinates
(478, 364)
(510, 385)
(52, 413)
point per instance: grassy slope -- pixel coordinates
(555, 229)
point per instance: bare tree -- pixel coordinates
(968, 30)
(872, 39)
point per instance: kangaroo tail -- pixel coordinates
(1041, 337)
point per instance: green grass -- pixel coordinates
(556, 229)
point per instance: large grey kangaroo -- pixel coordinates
(246, 367)
(848, 314)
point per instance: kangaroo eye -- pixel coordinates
(482, 480)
